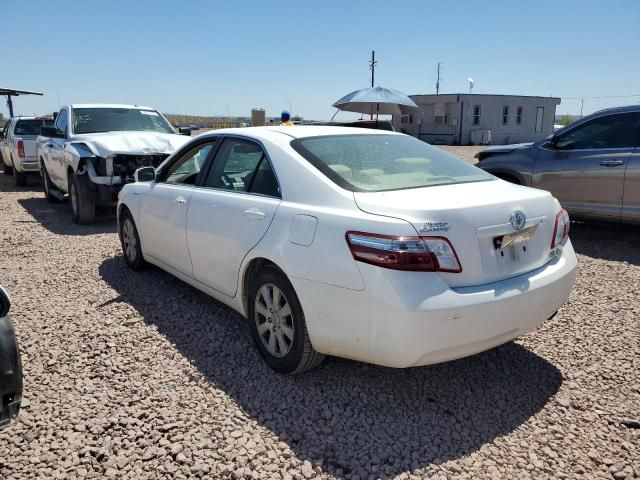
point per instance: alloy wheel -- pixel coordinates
(129, 240)
(274, 320)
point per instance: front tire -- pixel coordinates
(83, 210)
(48, 187)
(277, 324)
(130, 241)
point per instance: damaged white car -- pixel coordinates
(92, 150)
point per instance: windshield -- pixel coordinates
(30, 127)
(95, 120)
(373, 163)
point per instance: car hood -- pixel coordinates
(133, 143)
(506, 148)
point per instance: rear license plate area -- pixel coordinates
(513, 246)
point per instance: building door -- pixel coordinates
(539, 118)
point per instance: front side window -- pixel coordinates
(96, 120)
(186, 169)
(61, 123)
(242, 166)
(476, 115)
(519, 115)
(505, 115)
(373, 163)
(609, 131)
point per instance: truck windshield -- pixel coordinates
(374, 163)
(31, 126)
(95, 120)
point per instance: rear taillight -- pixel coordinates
(561, 228)
(418, 254)
(20, 147)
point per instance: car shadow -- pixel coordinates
(619, 243)
(56, 217)
(353, 417)
(7, 183)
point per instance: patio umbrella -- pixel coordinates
(376, 100)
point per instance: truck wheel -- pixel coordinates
(5, 168)
(21, 178)
(277, 324)
(48, 187)
(83, 210)
(130, 241)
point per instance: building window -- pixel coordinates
(476, 115)
(404, 119)
(505, 115)
(539, 118)
(441, 119)
(519, 116)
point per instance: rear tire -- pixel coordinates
(277, 324)
(83, 210)
(21, 178)
(5, 168)
(48, 187)
(130, 241)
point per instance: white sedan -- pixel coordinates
(364, 244)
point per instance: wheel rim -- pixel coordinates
(274, 320)
(74, 200)
(129, 240)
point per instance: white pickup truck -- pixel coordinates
(92, 150)
(18, 146)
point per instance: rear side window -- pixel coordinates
(610, 131)
(241, 165)
(30, 127)
(373, 163)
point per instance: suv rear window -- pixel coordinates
(30, 127)
(374, 163)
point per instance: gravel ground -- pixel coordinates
(137, 375)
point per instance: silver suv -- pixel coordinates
(591, 166)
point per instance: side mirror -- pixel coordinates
(145, 174)
(185, 131)
(551, 140)
(48, 131)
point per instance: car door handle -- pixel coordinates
(612, 163)
(180, 201)
(254, 214)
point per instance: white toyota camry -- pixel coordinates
(363, 244)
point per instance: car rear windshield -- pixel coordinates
(31, 126)
(95, 120)
(374, 163)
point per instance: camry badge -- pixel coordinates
(431, 227)
(518, 220)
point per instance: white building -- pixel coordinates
(466, 119)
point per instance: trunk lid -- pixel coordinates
(471, 216)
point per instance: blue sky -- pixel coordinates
(200, 57)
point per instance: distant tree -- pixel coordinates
(565, 120)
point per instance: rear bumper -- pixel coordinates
(27, 164)
(405, 319)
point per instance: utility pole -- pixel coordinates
(581, 106)
(438, 80)
(372, 66)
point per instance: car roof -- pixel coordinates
(623, 109)
(297, 131)
(109, 105)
